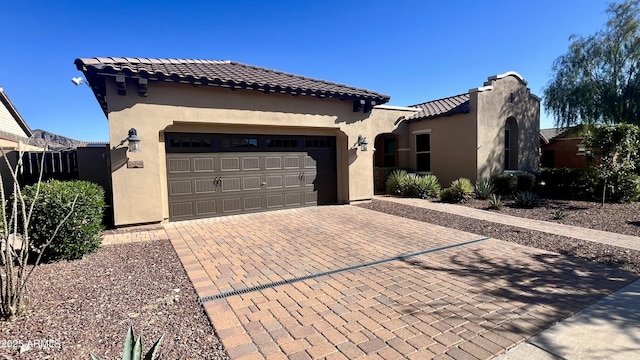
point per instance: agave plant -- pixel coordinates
(133, 349)
(431, 186)
(461, 189)
(484, 189)
(526, 199)
(495, 202)
(396, 181)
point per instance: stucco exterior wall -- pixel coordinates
(494, 107)
(453, 146)
(140, 195)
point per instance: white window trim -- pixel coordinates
(424, 131)
(581, 153)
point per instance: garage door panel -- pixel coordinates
(291, 180)
(205, 186)
(230, 164)
(231, 184)
(231, 205)
(251, 183)
(180, 187)
(253, 203)
(274, 182)
(182, 209)
(204, 164)
(275, 201)
(251, 163)
(180, 165)
(291, 162)
(292, 199)
(206, 207)
(311, 198)
(309, 162)
(273, 162)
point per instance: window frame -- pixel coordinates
(422, 152)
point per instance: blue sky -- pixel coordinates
(413, 51)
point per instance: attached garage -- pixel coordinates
(222, 174)
(220, 138)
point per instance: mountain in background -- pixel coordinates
(41, 138)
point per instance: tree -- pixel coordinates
(597, 80)
(615, 149)
(16, 246)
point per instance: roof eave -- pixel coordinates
(14, 113)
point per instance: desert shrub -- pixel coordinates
(80, 234)
(412, 185)
(526, 181)
(484, 189)
(526, 199)
(446, 195)
(395, 182)
(577, 184)
(133, 348)
(431, 186)
(558, 214)
(495, 202)
(459, 190)
(505, 183)
(623, 187)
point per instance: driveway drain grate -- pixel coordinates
(331, 272)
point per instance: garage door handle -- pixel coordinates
(263, 184)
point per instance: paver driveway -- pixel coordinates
(346, 282)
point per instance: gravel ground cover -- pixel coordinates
(611, 218)
(87, 305)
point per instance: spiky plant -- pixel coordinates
(495, 202)
(133, 349)
(526, 199)
(484, 189)
(461, 189)
(395, 182)
(431, 186)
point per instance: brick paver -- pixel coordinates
(473, 301)
(605, 237)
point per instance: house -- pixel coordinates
(563, 148)
(488, 130)
(14, 131)
(221, 137)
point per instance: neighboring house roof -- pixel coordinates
(556, 133)
(11, 122)
(457, 104)
(227, 74)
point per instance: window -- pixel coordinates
(423, 152)
(507, 152)
(319, 143)
(239, 142)
(582, 150)
(282, 143)
(389, 152)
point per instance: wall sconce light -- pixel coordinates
(133, 139)
(363, 143)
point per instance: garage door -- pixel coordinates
(218, 174)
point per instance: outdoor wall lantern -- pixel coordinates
(363, 143)
(133, 139)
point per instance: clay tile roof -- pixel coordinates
(218, 73)
(457, 104)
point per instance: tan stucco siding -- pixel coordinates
(494, 107)
(453, 146)
(9, 125)
(140, 195)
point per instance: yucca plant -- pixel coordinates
(559, 214)
(484, 189)
(133, 349)
(526, 199)
(495, 202)
(461, 189)
(446, 195)
(396, 181)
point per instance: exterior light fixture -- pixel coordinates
(133, 140)
(363, 143)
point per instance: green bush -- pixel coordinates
(526, 199)
(505, 183)
(446, 195)
(81, 232)
(431, 186)
(624, 187)
(526, 181)
(484, 189)
(577, 184)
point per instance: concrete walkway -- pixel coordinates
(625, 241)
